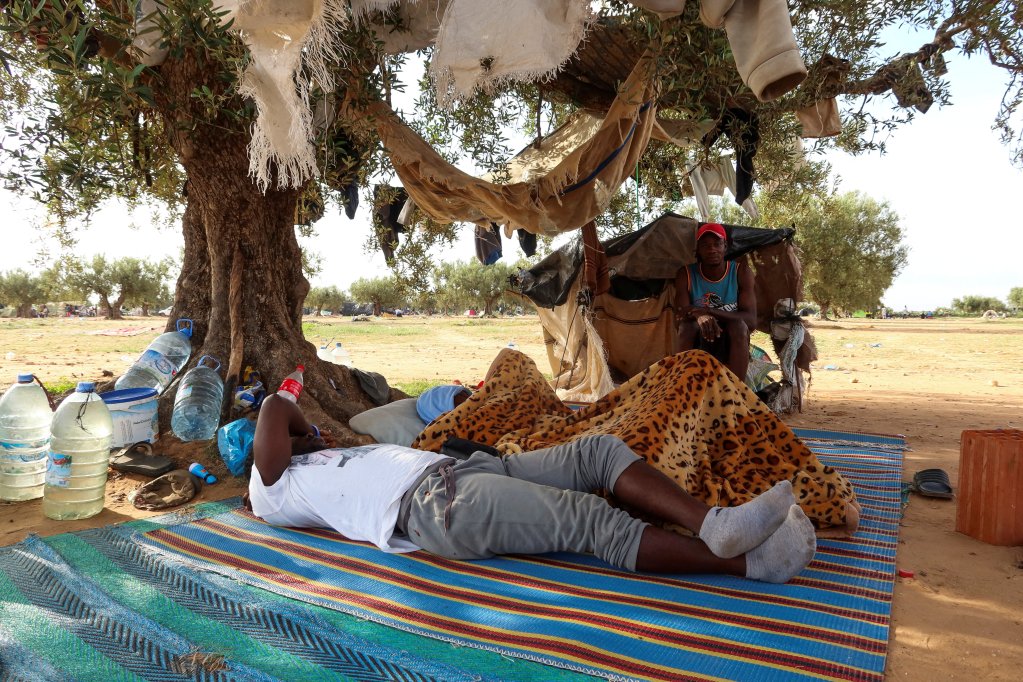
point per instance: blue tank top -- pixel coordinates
(722, 294)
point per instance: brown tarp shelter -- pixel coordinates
(597, 339)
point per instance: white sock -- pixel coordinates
(731, 531)
(786, 552)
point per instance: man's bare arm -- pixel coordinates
(279, 420)
(747, 311)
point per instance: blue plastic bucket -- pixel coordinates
(133, 411)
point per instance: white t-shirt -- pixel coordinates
(355, 491)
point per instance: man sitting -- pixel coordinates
(402, 499)
(715, 305)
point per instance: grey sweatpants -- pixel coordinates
(530, 503)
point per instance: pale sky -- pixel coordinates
(941, 173)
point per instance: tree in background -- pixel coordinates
(124, 281)
(975, 305)
(850, 247)
(22, 290)
(471, 284)
(330, 297)
(1015, 298)
(380, 292)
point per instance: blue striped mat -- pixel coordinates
(830, 622)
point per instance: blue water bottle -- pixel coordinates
(198, 401)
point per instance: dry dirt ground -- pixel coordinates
(959, 617)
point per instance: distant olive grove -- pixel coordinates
(107, 285)
(452, 288)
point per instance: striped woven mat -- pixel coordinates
(99, 606)
(830, 622)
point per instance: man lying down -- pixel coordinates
(401, 500)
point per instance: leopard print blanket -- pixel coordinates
(687, 415)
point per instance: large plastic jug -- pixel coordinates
(161, 361)
(25, 417)
(198, 401)
(76, 467)
(340, 356)
(324, 352)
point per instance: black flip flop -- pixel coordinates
(138, 458)
(933, 483)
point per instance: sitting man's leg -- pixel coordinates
(688, 336)
(737, 336)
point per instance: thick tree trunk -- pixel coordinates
(25, 310)
(241, 281)
(109, 309)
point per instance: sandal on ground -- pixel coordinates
(932, 483)
(168, 490)
(138, 458)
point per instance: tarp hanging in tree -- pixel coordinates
(575, 192)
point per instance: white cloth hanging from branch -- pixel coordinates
(484, 43)
(281, 36)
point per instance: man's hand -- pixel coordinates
(328, 438)
(709, 327)
(710, 330)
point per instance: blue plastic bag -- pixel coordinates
(234, 440)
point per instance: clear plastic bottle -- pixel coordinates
(76, 467)
(161, 361)
(340, 355)
(25, 417)
(324, 352)
(291, 387)
(198, 401)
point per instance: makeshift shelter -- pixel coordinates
(599, 333)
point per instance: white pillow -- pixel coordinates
(397, 423)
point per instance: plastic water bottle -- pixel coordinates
(291, 387)
(340, 356)
(25, 417)
(198, 401)
(161, 361)
(76, 467)
(324, 352)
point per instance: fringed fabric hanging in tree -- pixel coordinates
(281, 36)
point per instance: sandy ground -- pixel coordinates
(961, 614)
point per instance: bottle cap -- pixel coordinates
(301, 368)
(86, 386)
(25, 378)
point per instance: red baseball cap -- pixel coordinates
(716, 229)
